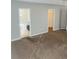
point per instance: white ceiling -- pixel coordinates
(57, 2)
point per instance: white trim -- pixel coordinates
(16, 39)
(55, 29)
(39, 33)
(30, 36)
(62, 28)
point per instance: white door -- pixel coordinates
(24, 17)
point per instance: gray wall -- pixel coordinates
(39, 21)
(15, 32)
(63, 18)
(39, 18)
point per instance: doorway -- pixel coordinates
(51, 17)
(25, 22)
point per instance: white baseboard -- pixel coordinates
(30, 36)
(62, 28)
(39, 33)
(16, 39)
(56, 29)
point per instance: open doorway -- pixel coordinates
(25, 22)
(51, 17)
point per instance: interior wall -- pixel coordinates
(15, 32)
(63, 18)
(39, 18)
(56, 21)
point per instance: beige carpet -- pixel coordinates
(51, 45)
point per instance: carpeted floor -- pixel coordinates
(51, 45)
